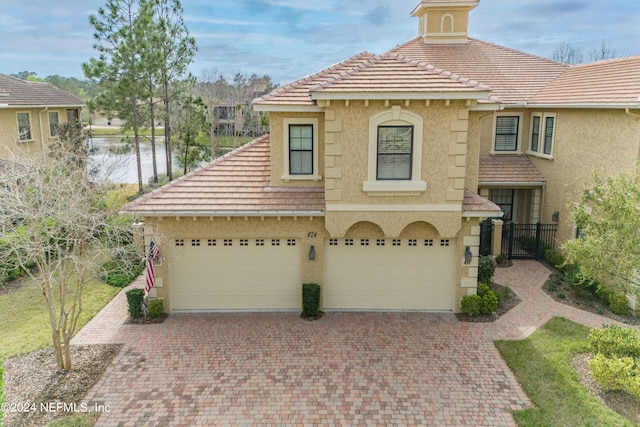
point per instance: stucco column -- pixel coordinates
(496, 238)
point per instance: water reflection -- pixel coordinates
(115, 160)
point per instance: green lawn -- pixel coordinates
(542, 364)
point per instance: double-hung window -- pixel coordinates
(301, 149)
(542, 134)
(24, 126)
(54, 120)
(507, 133)
(395, 152)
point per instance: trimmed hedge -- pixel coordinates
(155, 307)
(486, 268)
(134, 299)
(310, 299)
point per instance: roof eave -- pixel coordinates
(7, 106)
(362, 96)
(511, 184)
(586, 105)
(288, 108)
(221, 213)
(482, 214)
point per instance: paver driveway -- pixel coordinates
(344, 369)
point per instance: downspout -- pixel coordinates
(44, 153)
(637, 116)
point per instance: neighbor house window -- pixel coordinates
(54, 120)
(301, 152)
(395, 150)
(24, 126)
(507, 133)
(301, 149)
(542, 134)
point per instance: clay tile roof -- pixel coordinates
(509, 169)
(297, 93)
(513, 76)
(612, 81)
(396, 73)
(472, 202)
(20, 93)
(236, 183)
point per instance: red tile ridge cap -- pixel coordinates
(403, 59)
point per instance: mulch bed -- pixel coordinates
(34, 378)
(509, 301)
(146, 320)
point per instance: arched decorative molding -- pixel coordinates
(420, 230)
(365, 229)
(446, 23)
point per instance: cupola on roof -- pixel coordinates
(444, 21)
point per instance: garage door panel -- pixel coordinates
(235, 276)
(389, 274)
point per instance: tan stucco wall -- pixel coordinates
(10, 146)
(586, 141)
(347, 140)
(308, 232)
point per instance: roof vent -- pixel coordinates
(444, 21)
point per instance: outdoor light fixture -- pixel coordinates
(312, 253)
(467, 255)
(555, 216)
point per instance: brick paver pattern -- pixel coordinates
(348, 368)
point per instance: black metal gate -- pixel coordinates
(527, 241)
(486, 235)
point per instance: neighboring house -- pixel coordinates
(29, 114)
(369, 180)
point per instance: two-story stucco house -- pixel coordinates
(29, 115)
(370, 180)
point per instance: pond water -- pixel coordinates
(116, 160)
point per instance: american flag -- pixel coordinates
(150, 275)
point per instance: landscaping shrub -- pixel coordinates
(483, 289)
(134, 299)
(614, 341)
(310, 299)
(486, 268)
(554, 258)
(120, 273)
(489, 303)
(155, 307)
(471, 304)
(618, 304)
(616, 373)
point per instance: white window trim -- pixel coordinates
(301, 121)
(49, 122)
(413, 187)
(518, 149)
(541, 134)
(30, 126)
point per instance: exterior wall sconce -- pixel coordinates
(467, 255)
(312, 253)
(555, 216)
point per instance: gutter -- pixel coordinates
(2, 106)
(511, 184)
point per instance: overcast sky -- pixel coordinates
(288, 39)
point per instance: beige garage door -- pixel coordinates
(235, 274)
(392, 274)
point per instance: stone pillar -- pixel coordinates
(496, 238)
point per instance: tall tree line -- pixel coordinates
(143, 51)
